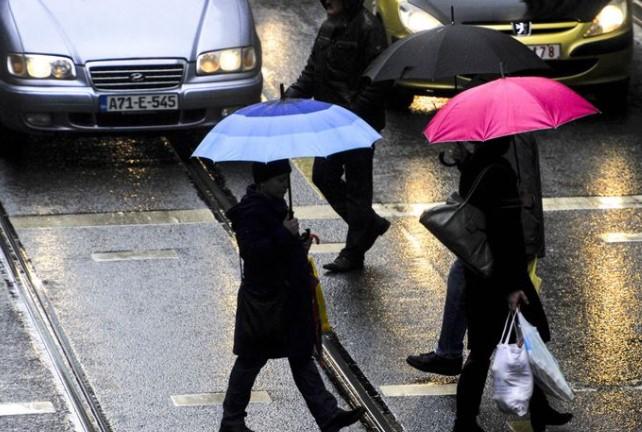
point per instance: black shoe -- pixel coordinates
(467, 426)
(343, 264)
(343, 418)
(550, 417)
(434, 363)
(382, 226)
(235, 428)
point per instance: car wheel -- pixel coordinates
(399, 98)
(612, 97)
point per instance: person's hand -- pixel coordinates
(307, 243)
(292, 225)
(515, 298)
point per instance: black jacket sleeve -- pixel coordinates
(500, 202)
(260, 244)
(373, 42)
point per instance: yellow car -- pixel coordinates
(586, 42)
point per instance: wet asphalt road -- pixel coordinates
(146, 330)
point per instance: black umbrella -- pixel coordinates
(452, 50)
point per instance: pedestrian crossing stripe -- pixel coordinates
(325, 212)
(206, 399)
(26, 408)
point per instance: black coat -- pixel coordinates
(343, 48)
(274, 316)
(486, 299)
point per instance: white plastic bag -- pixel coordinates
(546, 371)
(513, 380)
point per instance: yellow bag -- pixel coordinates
(320, 301)
(536, 280)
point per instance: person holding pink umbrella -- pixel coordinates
(489, 115)
(487, 300)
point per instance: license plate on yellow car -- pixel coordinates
(124, 103)
(546, 52)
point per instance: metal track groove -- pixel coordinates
(21, 274)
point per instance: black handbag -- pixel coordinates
(261, 321)
(461, 227)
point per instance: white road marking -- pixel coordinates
(325, 212)
(428, 389)
(326, 248)
(621, 237)
(26, 408)
(207, 399)
(134, 255)
(161, 217)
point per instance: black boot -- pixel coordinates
(344, 264)
(342, 419)
(542, 414)
(434, 363)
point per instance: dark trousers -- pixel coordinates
(351, 197)
(321, 403)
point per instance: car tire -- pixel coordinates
(612, 97)
(400, 99)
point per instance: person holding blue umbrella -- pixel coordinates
(348, 40)
(274, 315)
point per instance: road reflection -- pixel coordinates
(611, 310)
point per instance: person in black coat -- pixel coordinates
(347, 41)
(487, 300)
(274, 316)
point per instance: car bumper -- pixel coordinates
(76, 109)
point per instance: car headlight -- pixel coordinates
(228, 60)
(41, 66)
(610, 18)
(415, 19)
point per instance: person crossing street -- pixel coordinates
(347, 41)
(274, 316)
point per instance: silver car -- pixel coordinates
(123, 65)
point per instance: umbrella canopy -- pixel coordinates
(506, 106)
(452, 50)
(284, 129)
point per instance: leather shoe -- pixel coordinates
(382, 226)
(550, 417)
(343, 264)
(434, 363)
(343, 418)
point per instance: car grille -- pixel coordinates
(137, 77)
(536, 28)
(138, 120)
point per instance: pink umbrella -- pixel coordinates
(506, 106)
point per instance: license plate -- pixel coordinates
(546, 52)
(124, 103)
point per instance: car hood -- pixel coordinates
(89, 30)
(501, 11)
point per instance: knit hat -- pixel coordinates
(262, 172)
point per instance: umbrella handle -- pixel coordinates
(290, 208)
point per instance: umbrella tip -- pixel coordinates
(452, 14)
(282, 91)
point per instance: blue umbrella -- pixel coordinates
(284, 129)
